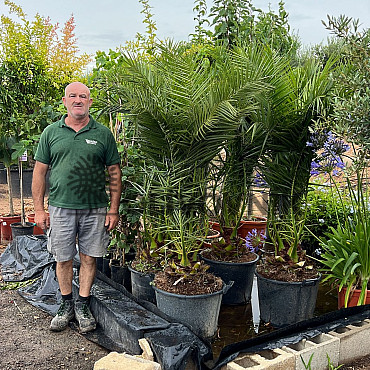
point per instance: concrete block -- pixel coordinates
(147, 351)
(275, 359)
(319, 347)
(123, 361)
(354, 340)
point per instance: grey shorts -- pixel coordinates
(84, 227)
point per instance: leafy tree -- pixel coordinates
(351, 116)
(239, 22)
(33, 74)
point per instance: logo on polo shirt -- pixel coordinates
(94, 142)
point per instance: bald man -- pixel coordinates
(78, 150)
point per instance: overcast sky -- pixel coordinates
(107, 24)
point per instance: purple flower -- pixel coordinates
(329, 160)
(255, 240)
(259, 181)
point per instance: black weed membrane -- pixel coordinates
(123, 319)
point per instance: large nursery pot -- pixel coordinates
(19, 229)
(283, 303)
(6, 230)
(353, 297)
(199, 312)
(241, 273)
(141, 285)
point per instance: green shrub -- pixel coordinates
(325, 209)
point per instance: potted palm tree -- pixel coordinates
(287, 279)
(231, 177)
(186, 109)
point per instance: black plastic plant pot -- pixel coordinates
(117, 273)
(141, 285)
(99, 263)
(283, 303)
(106, 266)
(199, 312)
(240, 273)
(18, 229)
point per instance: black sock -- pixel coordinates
(83, 299)
(67, 297)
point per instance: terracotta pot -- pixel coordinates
(353, 297)
(6, 231)
(247, 226)
(215, 225)
(36, 230)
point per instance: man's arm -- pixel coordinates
(38, 194)
(115, 189)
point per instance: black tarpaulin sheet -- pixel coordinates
(122, 319)
(25, 258)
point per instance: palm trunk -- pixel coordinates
(10, 191)
(21, 191)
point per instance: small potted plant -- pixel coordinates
(345, 249)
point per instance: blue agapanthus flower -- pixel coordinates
(255, 240)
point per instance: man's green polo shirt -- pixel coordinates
(77, 163)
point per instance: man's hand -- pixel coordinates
(42, 220)
(111, 220)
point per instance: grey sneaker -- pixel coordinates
(64, 315)
(84, 317)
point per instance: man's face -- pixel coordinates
(77, 100)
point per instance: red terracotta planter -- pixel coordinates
(247, 226)
(6, 231)
(353, 298)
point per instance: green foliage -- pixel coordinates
(201, 35)
(351, 115)
(144, 46)
(233, 169)
(127, 234)
(185, 109)
(345, 254)
(16, 285)
(330, 364)
(324, 209)
(240, 23)
(301, 99)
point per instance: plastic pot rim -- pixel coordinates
(19, 224)
(303, 282)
